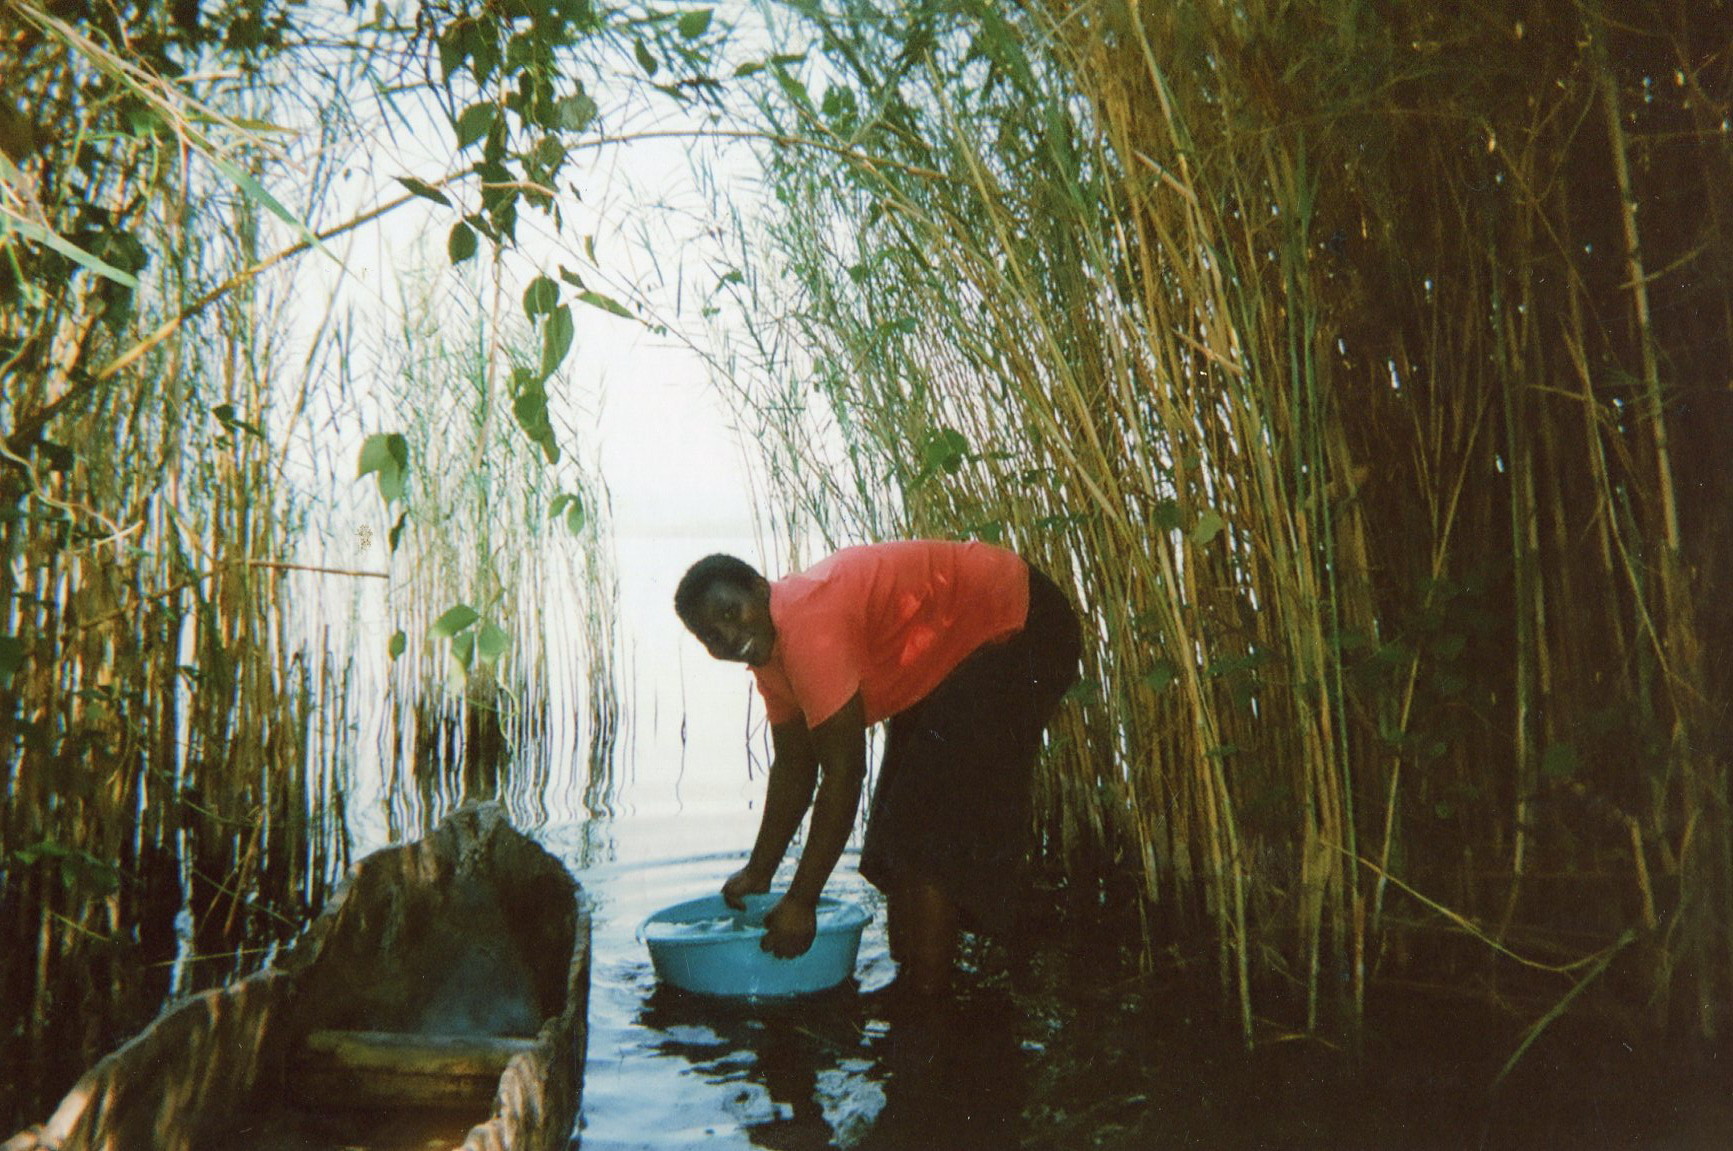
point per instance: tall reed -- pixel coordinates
(1337, 358)
(487, 525)
(181, 717)
(155, 720)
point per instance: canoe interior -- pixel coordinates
(438, 1002)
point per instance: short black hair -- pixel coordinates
(712, 569)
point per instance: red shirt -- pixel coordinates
(887, 620)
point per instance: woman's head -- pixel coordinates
(725, 603)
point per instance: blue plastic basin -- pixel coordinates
(704, 945)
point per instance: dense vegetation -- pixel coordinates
(210, 631)
(1364, 368)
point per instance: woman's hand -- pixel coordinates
(742, 883)
(789, 928)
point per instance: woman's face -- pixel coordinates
(733, 623)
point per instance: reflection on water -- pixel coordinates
(1061, 1042)
(849, 1068)
(667, 1069)
(842, 1070)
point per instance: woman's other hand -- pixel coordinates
(742, 883)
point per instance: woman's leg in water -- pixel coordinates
(922, 923)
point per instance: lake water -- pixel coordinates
(1062, 1043)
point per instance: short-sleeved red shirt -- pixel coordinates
(887, 620)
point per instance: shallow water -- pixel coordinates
(667, 1069)
(1064, 1044)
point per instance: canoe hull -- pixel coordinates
(448, 973)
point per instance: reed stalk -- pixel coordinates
(179, 718)
(1329, 363)
(475, 529)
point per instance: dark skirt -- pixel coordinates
(952, 803)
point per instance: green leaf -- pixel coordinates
(387, 456)
(395, 536)
(51, 239)
(493, 642)
(463, 649)
(87, 875)
(483, 51)
(646, 61)
(1161, 676)
(452, 51)
(793, 89)
(47, 849)
(474, 122)
(425, 190)
(991, 531)
(541, 297)
(557, 335)
(575, 113)
(11, 657)
(519, 51)
(397, 645)
(839, 105)
(695, 23)
(1086, 691)
(531, 410)
(245, 181)
(545, 160)
(455, 619)
(1167, 515)
(79, 871)
(945, 448)
(1393, 655)
(606, 303)
(572, 508)
(225, 414)
(461, 244)
(383, 451)
(1209, 526)
(530, 407)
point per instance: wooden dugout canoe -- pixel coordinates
(438, 1001)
